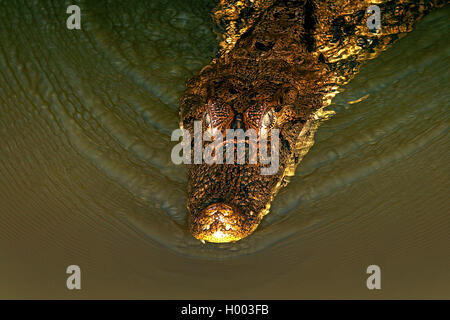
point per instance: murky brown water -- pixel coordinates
(86, 176)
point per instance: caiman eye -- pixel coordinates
(268, 120)
(218, 116)
(207, 120)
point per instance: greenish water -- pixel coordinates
(86, 176)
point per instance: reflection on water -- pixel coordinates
(86, 175)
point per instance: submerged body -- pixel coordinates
(281, 63)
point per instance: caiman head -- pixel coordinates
(279, 74)
(227, 202)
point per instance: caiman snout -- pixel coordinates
(220, 222)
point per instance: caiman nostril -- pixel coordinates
(220, 222)
(238, 122)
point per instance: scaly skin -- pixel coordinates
(285, 60)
